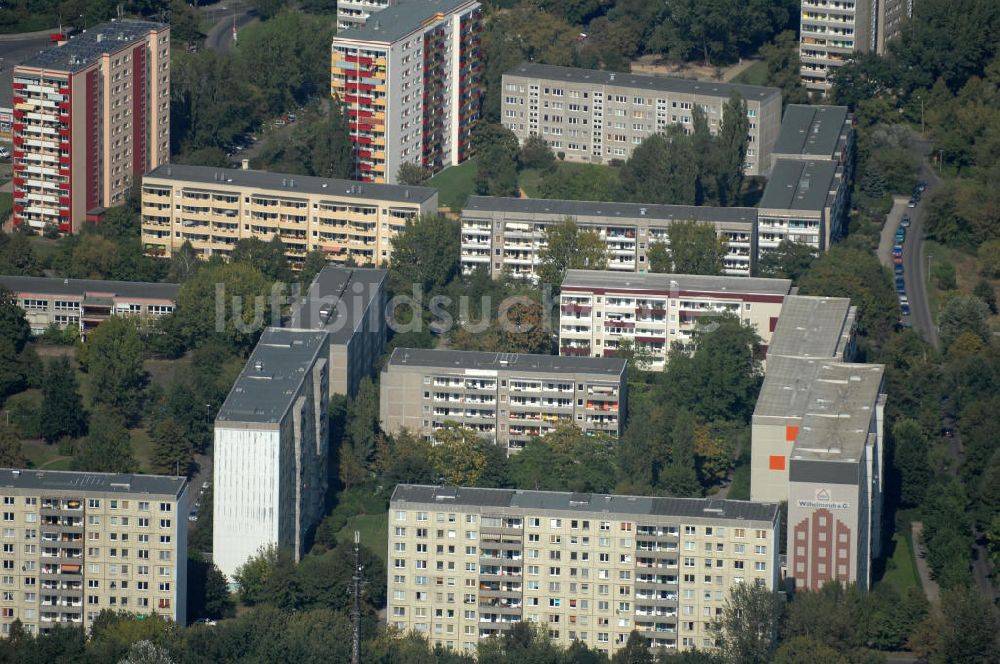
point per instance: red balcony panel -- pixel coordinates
(64, 186)
(18, 126)
(18, 181)
(65, 226)
(63, 105)
(18, 140)
(18, 114)
(20, 86)
(63, 160)
(63, 212)
(64, 132)
(18, 154)
(64, 89)
(651, 339)
(64, 200)
(365, 154)
(18, 99)
(63, 171)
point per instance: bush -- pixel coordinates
(944, 275)
(989, 258)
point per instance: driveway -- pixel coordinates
(226, 15)
(887, 239)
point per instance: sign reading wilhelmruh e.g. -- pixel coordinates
(823, 500)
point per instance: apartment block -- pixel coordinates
(467, 564)
(600, 116)
(818, 443)
(411, 83)
(507, 397)
(599, 310)
(505, 235)
(271, 449)
(86, 303)
(814, 132)
(349, 305)
(804, 201)
(214, 208)
(354, 13)
(76, 544)
(832, 31)
(91, 116)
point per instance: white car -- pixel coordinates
(4, 153)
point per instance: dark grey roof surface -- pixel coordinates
(80, 287)
(644, 81)
(337, 301)
(85, 48)
(812, 326)
(270, 381)
(668, 282)
(291, 184)
(811, 130)
(586, 503)
(464, 359)
(396, 22)
(610, 210)
(64, 480)
(795, 184)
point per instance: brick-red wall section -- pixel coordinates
(93, 181)
(139, 88)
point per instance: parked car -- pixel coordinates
(898, 260)
(898, 269)
(912, 203)
(905, 221)
(900, 285)
(193, 516)
(904, 301)
(921, 186)
(904, 309)
(897, 250)
(900, 235)
(205, 621)
(4, 153)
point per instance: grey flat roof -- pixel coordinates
(85, 48)
(812, 326)
(668, 282)
(464, 359)
(585, 503)
(290, 185)
(81, 287)
(785, 391)
(610, 210)
(337, 301)
(795, 184)
(64, 480)
(840, 408)
(644, 81)
(270, 380)
(811, 130)
(396, 22)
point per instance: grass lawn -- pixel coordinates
(966, 276)
(455, 184)
(901, 568)
(530, 181)
(44, 456)
(740, 488)
(373, 529)
(44, 247)
(755, 74)
(6, 203)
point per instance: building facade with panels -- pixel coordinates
(349, 304)
(804, 201)
(271, 449)
(818, 443)
(600, 116)
(467, 564)
(507, 397)
(76, 544)
(85, 303)
(91, 116)
(214, 208)
(411, 83)
(833, 31)
(599, 310)
(505, 235)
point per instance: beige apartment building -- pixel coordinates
(214, 208)
(467, 564)
(76, 544)
(505, 235)
(600, 116)
(832, 31)
(507, 397)
(91, 116)
(599, 310)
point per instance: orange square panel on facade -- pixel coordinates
(776, 462)
(791, 433)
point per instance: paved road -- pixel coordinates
(914, 258)
(887, 239)
(931, 587)
(220, 35)
(15, 49)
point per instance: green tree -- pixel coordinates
(910, 457)
(361, 434)
(17, 256)
(789, 260)
(807, 649)
(172, 450)
(210, 297)
(184, 262)
(966, 630)
(963, 313)
(635, 651)
(985, 292)
(783, 67)
(252, 577)
(536, 153)
(107, 447)
(732, 143)
(496, 162)
(749, 624)
(11, 452)
(114, 363)
(425, 254)
(411, 173)
(62, 407)
(662, 169)
(692, 248)
(580, 182)
(460, 455)
(14, 326)
(989, 258)
(569, 247)
(218, 602)
(268, 257)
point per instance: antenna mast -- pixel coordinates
(356, 581)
